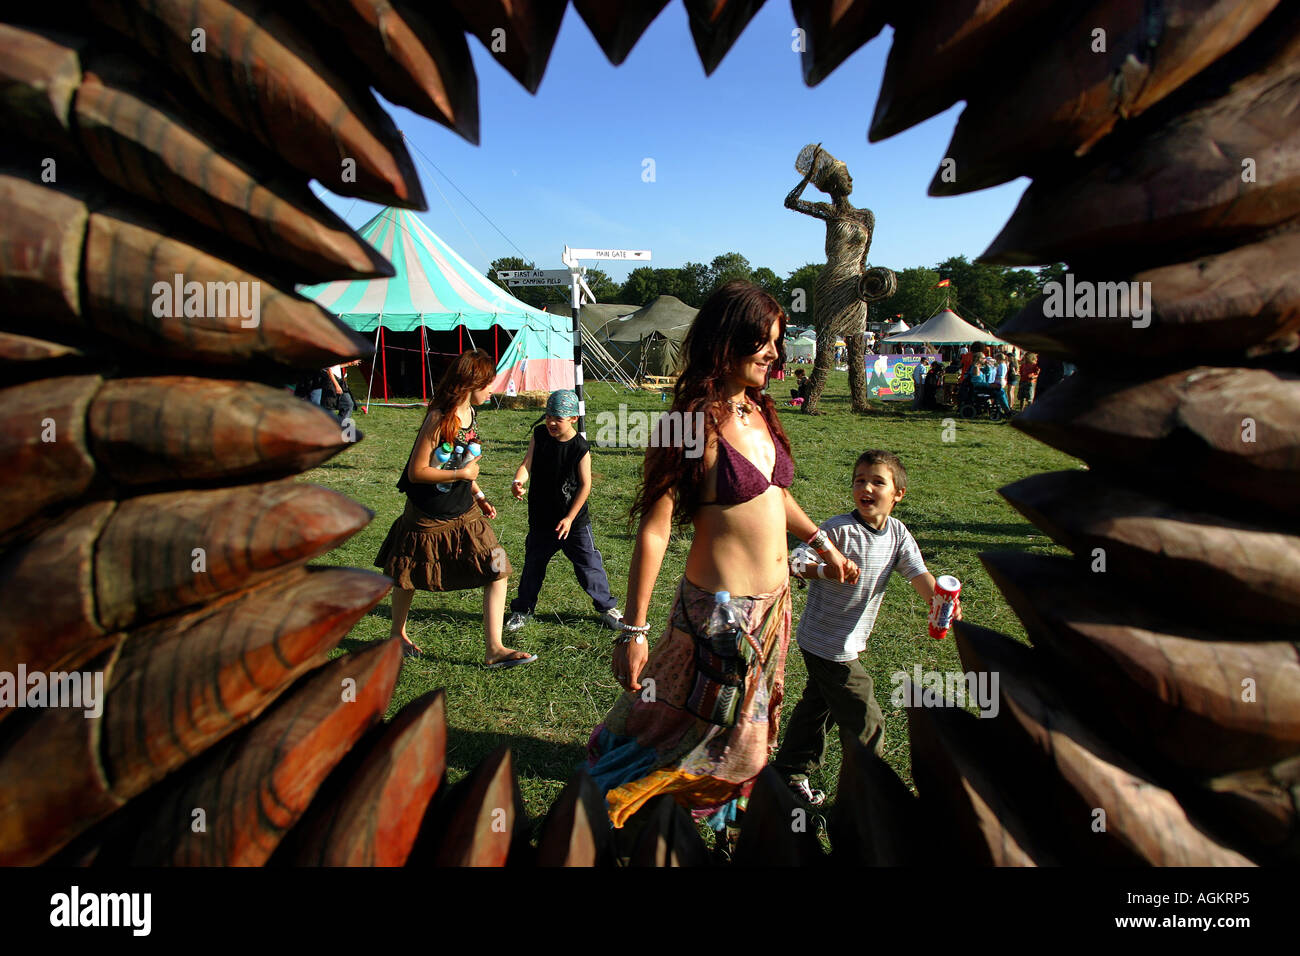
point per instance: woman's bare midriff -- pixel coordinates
(740, 548)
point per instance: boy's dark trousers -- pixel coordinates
(838, 692)
(580, 548)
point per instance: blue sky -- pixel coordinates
(565, 166)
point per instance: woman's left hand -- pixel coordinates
(486, 507)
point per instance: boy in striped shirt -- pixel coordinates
(838, 619)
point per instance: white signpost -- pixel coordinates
(570, 258)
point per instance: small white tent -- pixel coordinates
(804, 347)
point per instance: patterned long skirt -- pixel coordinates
(654, 741)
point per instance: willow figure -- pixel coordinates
(845, 285)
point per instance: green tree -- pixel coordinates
(728, 266)
(601, 285)
(977, 292)
(916, 300)
(768, 281)
(641, 286)
(693, 283)
(1053, 273)
(798, 297)
(1021, 286)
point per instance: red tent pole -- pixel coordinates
(383, 361)
(496, 352)
(460, 338)
(423, 349)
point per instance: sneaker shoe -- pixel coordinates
(804, 791)
(517, 621)
(612, 619)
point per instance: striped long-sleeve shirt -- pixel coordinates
(838, 617)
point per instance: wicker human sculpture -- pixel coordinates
(1166, 154)
(845, 285)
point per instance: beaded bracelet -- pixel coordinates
(820, 541)
(629, 637)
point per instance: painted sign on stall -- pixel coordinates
(889, 378)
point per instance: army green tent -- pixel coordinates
(649, 341)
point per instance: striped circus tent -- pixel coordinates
(441, 305)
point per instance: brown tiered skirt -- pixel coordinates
(442, 554)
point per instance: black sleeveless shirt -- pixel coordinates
(425, 495)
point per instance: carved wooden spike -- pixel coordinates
(169, 692)
(17, 351)
(261, 73)
(39, 73)
(1250, 570)
(416, 57)
(185, 682)
(777, 830)
(939, 52)
(147, 564)
(834, 30)
(51, 787)
(48, 595)
(1246, 298)
(42, 234)
(617, 28)
(482, 818)
(1236, 428)
(1074, 93)
(1143, 822)
(174, 428)
(576, 831)
(967, 798)
(253, 787)
(716, 25)
(876, 820)
(519, 35)
(1263, 808)
(667, 836)
(126, 260)
(44, 445)
(151, 149)
(1222, 174)
(369, 811)
(1209, 706)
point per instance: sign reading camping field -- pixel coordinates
(639, 254)
(535, 276)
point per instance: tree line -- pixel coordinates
(983, 294)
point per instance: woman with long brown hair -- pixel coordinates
(442, 541)
(699, 718)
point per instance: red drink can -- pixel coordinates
(942, 605)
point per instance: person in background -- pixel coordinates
(558, 460)
(933, 385)
(803, 387)
(442, 540)
(1013, 377)
(918, 383)
(1028, 379)
(999, 381)
(338, 382)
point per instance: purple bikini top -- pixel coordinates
(739, 480)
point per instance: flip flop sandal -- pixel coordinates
(410, 650)
(511, 662)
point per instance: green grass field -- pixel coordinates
(545, 711)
